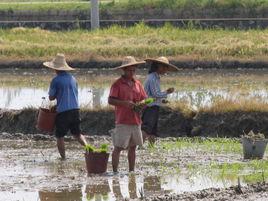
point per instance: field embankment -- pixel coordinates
(222, 119)
(187, 48)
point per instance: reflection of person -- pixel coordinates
(98, 190)
(124, 93)
(152, 87)
(116, 189)
(152, 184)
(64, 195)
(132, 189)
(63, 88)
(132, 186)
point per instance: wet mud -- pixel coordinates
(97, 63)
(255, 192)
(172, 122)
(32, 170)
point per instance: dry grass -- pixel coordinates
(244, 105)
(140, 41)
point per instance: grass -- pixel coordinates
(251, 172)
(209, 145)
(44, 6)
(227, 105)
(217, 168)
(38, 1)
(140, 41)
(217, 8)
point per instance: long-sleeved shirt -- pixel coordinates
(153, 89)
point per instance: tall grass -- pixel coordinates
(44, 6)
(192, 4)
(244, 105)
(218, 8)
(140, 41)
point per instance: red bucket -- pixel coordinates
(46, 120)
(96, 163)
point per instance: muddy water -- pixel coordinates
(19, 98)
(31, 170)
(92, 94)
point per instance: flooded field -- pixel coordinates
(188, 168)
(31, 169)
(25, 88)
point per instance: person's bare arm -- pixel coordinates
(116, 102)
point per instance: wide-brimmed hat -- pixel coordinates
(129, 61)
(164, 61)
(58, 63)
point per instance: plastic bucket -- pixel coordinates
(46, 120)
(253, 149)
(96, 163)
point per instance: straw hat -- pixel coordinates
(129, 61)
(164, 61)
(58, 63)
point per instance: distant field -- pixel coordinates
(140, 41)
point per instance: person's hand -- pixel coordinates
(129, 104)
(170, 90)
(139, 107)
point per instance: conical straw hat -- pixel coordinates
(58, 63)
(129, 61)
(164, 61)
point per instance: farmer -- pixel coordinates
(63, 88)
(158, 67)
(124, 93)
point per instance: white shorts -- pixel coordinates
(125, 136)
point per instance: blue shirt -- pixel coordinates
(153, 89)
(64, 88)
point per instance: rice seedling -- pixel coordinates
(90, 148)
(209, 145)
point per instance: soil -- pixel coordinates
(185, 63)
(31, 164)
(252, 192)
(172, 122)
(232, 124)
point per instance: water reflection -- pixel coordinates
(120, 188)
(131, 186)
(18, 98)
(98, 192)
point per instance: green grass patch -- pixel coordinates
(226, 7)
(217, 168)
(44, 6)
(209, 145)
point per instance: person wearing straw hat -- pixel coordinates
(158, 67)
(124, 94)
(63, 88)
